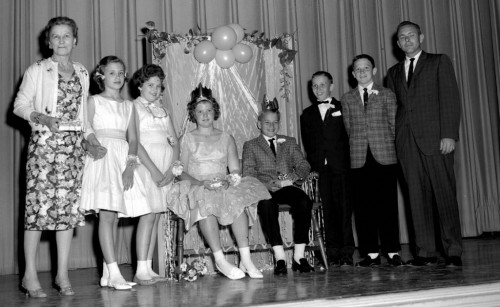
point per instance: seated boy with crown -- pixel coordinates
(277, 161)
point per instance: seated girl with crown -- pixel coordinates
(216, 197)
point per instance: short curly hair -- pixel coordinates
(142, 75)
(61, 20)
(202, 95)
(98, 75)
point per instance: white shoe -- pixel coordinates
(119, 284)
(255, 273)
(105, 283)
(234, 274)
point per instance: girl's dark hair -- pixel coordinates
(99, 70)
(199, 95)
(142, 75)
(61, 20)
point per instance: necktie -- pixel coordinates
(365, 97)
(322, 101)
(271, 144)
(410, 72)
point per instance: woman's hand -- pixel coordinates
(272, 186)
(128, 177)
(157, 177)
(218, 185)
(167, 178)
(52, 123)
(96, 152)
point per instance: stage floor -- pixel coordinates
(481, 267)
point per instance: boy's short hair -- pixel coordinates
(408, 23)
(263, 112)
(363, 56)
(323, 73)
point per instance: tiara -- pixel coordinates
(270, 104)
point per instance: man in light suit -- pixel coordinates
(269, 157)
(427, 122)
(369, 118)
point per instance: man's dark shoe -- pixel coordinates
(346, 261)
(368, 262)
(453, 261)
(422, 261)
(395, 260)
(280, 268)
(303, 266)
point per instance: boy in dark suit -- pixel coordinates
(427, 122)
(369, 118)
(327, 147)
(268, 158)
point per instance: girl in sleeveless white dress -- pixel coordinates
(110, 186)
(158, 147)
(216, 198)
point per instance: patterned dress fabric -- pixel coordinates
(54, 168)
(102, 186)
(154, 134)
(208, 160)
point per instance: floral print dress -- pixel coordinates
(54, 168)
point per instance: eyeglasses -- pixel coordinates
(319, 86)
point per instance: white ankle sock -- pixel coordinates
(298, 251)
(105, 271)
(279, 252)
(142, 270)
(114, 271)
(373, 255)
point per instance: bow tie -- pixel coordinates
(323, 101)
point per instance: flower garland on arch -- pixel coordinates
(161, 40)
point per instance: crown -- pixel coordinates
(198, 93)
(270, 104)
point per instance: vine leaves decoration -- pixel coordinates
(161, 40)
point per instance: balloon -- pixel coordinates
(224, 58)
(204, 52)
(239, 31)
(242, 53)
(224, 38)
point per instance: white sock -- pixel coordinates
(114, 271)
(219, 256)
(245, 258)
(105, 271)
(392, 254)
(373, 255)
(298, 251)
(150, 268)
(142, 270)
(279, 252)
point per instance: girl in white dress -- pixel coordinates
(159, 146)
(110, 186)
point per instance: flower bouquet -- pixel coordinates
(190, 272)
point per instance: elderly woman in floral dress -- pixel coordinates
(52, 98)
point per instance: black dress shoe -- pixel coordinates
(395, 260)
(422, 261)
(368, 262)
(453, 261)
(280, 268)
(346, 261)
(303, 266)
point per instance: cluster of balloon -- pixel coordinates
(225, 46)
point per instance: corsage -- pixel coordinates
(281, 140)
(233, 179)
(132, 161)
(177, 168)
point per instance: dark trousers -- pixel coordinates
(337, 213)
(301, 206)
(375, 203)
(433, 198)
